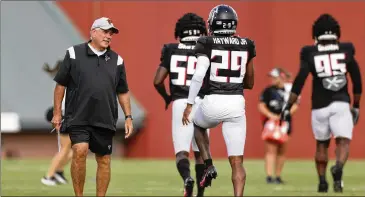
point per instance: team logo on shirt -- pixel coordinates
(107, 58)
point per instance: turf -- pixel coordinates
(160, 178)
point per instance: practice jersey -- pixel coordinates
(180, 61)
(228, 59)
(329, 65)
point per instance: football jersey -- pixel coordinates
(180, 61)
(228, 59)
(329, 65)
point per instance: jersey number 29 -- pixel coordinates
(233, 64)
(182, 72)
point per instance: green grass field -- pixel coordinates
(160, 178)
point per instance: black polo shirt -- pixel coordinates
(92, 83)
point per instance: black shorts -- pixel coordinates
(64, 130)
(100, 140)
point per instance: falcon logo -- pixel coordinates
(334, 83)
(107, 58)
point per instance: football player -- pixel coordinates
(178, 61)
(227, 62)
(329, 61)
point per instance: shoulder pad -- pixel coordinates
(164, 51)
(170, 46)
(249, 41)
(166, 48)
(304, 52)
(348, 46)
(203, 40)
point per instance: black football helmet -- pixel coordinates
(326, 27)
(222, 20)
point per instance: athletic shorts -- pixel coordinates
(100, 140)
(183, 135)
(230, 111)
(335, 119)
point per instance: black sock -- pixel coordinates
(208, 162)
(59, 171)
(322, 179)
(338, 171)
(199, 169)
(183, 166)
(339, 165)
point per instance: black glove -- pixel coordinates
(355, 115)
(167, 102)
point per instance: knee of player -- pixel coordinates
(321, 157)
(236, 161)
(182, 155)
(342, 141)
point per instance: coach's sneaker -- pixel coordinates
(60, 178)
(50, 181)
(188, 187)
(209, 174)
(323, 187)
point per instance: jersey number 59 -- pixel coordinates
(231, 69)
(176, 67)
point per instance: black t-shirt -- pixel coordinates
(92, 83)
(228, 59)
(329, 65)
(274, 99)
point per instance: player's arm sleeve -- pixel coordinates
(63, 75)
(122, 86)
(355, 74)
(198, 77)
(302, 74)
(300, 78)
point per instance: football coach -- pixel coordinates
(93, 76)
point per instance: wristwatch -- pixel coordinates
(128, 116)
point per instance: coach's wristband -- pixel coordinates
(129, 116)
